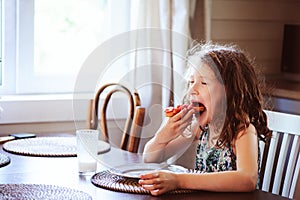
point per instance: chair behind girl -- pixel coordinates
(280, 156)
(132, 130)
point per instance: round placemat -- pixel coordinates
(37, 191)
(4, 160)
(43, 146)
(111, 181)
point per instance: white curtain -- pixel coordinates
(162, 42)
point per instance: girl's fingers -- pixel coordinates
(149, 175)
(184, 122)
(187, 115)
(152, 187)
(149, 181)
(157, 192)
(180, 115)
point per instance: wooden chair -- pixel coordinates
(132, 130)
(280, 156)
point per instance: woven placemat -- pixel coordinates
(43, 146)
(37, 191)
(111, 181)
(4, 160)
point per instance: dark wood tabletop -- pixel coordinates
(62, 171)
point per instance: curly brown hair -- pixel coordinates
(235, 70)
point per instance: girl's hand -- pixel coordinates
(159, 182)
(167, 139)
(175, 125)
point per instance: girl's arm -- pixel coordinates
(156, 150)
(168, 140)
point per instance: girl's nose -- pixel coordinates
(193, 90)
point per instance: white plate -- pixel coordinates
(135, 170)
(103, 147)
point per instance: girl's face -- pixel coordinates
(205, 89)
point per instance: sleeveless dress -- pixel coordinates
(216, 159)
(213, 159)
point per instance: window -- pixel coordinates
(47, 41)
(8, 41)
(0, 42)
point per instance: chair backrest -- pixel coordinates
(133, 126)
(280, 156)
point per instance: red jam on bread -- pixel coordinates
(171, 111)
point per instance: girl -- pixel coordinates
(223, 80)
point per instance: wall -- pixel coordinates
(255, 25)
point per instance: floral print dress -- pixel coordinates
(213, 159)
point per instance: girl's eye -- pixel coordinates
(203, 83)
(191, 82)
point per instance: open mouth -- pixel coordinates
(200, 108)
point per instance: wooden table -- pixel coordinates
(62, 171)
